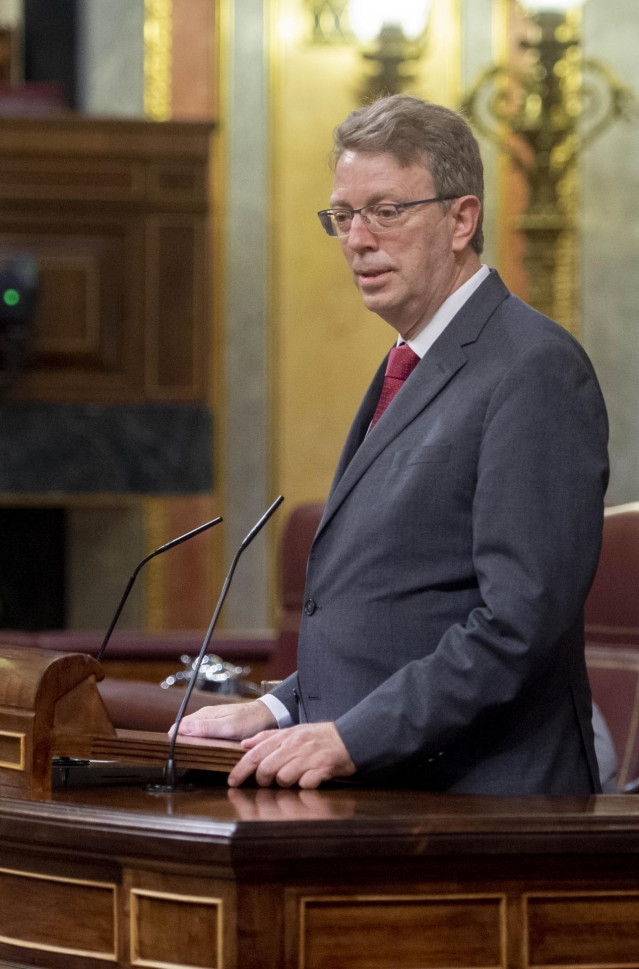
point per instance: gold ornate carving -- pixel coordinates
(329, 20)
(158, 37)
(543, 103)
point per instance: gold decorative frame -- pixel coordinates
(101, 955)
(20, 739)
(214, 903)
(158, 42)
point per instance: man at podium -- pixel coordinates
(441, 644)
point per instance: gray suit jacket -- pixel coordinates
(442, 630)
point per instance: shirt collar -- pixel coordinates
(449, 308)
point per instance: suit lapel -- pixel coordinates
(444, 359)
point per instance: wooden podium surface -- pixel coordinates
(328, 879)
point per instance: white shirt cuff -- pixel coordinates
(277, 708)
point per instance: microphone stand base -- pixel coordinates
(170, 783)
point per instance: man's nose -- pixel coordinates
(360, 235)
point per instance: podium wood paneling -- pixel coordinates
(116, 213)
(329, 879)
(426, 931)
(30, 914)
(343, 878)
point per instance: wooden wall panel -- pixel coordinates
(181, 182)
(85, 318)
(31, 179)
(176, 249)
(117, 215)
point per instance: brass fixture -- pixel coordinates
(543, 112)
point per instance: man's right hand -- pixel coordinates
(230, 721)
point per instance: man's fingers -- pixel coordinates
(263, 758)
(227, 721)
(290, 773)
(305, 755)
(257, 738)
(209, 722)
(311, 779)
(244, 769)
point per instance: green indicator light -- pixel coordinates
(11, 297)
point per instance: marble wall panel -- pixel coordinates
(610, 240)
(111, 58)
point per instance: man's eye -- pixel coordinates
(342, 217)
(386, 212)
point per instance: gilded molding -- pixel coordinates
(33, 943)
(19, 741)
(216, 904)
(158, 61)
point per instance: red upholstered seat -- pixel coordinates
(297, 539)
(612, 636)
(136, 705)
(612, 608)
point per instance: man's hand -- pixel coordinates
(306, 754)
(229, 721)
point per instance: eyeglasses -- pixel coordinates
(379, 217)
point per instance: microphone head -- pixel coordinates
(263, 520)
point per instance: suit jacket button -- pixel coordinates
(309, 607)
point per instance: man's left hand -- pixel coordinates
(306, 754)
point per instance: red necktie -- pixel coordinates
(401, 363)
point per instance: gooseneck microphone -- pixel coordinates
(170, 782)
(158, 551)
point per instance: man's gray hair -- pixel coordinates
(417, 131)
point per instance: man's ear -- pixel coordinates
(465, 211)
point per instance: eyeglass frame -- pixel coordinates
(328, 225)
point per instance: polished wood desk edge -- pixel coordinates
(209, 828)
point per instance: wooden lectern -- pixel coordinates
(50, 707)
(250, 878)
